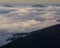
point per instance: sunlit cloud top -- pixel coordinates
(16, 19)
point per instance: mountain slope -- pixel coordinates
(44, 38)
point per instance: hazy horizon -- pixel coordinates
(28, 1)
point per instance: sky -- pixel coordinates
(29, 1)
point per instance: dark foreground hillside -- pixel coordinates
(44, 38)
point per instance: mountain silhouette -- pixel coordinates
(7, 5)
(45, 38)
(38, 5)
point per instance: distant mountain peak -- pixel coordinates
(38, 5)
(7, 5)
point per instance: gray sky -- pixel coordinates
(29, 1)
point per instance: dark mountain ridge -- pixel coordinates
(7, 5)
(45, 38)
(38, 5)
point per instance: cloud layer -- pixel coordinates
(16, 19)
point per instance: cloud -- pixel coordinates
(27, 19)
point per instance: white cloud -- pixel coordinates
(27, 19)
